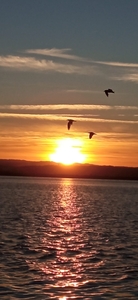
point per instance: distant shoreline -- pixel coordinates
(54, 170)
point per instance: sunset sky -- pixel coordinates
(56, 59)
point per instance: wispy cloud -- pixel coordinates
(54, 52)
(83, 91)
(117, 64)
(32, 64)
(56, 107)
(127, 71)
(63, 117)
(128, 77)
(73, 107)
(30, 116)
(125, 107)
(74, 65)
(63, 53)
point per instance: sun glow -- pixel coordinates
(68, 152)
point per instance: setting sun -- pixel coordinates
(68, 152)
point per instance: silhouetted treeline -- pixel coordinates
(49, 169)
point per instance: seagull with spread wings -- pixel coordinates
(70, 122)
(108, 91)
(91, 134)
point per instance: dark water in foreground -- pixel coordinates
(68, 239)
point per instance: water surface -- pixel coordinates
(68, 239)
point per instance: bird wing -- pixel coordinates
(68, 125)
(91, 134)
(106, 92)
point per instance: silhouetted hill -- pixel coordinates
(50, 169)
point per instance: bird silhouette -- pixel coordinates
(108, 91)
(70, 122)
(91, 134)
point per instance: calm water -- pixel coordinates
(68, 239)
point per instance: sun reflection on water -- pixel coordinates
(65, 240)
(62, 242)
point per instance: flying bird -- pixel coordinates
(108, 91)
(91, 134)
(70, 122)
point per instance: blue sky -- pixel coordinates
(62, 52)
(103, 31)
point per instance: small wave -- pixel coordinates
(47, 256)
